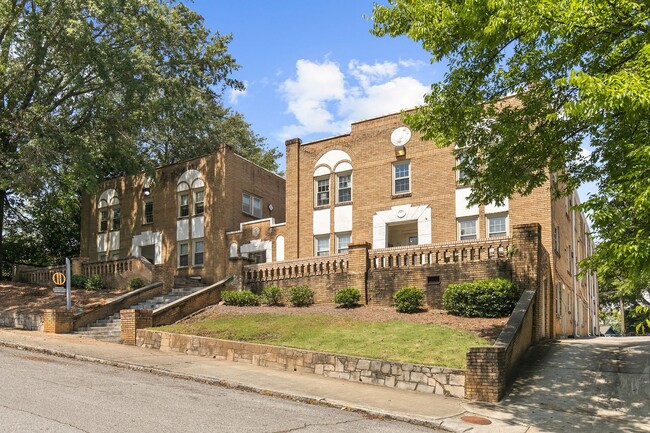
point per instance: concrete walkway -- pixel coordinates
(444, 413)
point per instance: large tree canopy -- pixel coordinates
(91, 89)
(580, 70)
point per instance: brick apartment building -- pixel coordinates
(180, 215)
(380, 185)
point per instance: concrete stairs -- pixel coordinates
(108, 328)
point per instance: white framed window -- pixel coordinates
(558, 298)
(116, 217)
(184, 205)
(461, 177)
(148, 212)
(198, 253)
(497, 225)
(251, 205)
(199, 197)
(569, 253)
(183, 254)
(467, 229)
(556, 239)
(344, 187)
(322, 245)
(402, 177)
(322, 187)
(342, 241)
(103, 221)
(115, 256)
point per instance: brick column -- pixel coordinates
(77, 264)
(58, 321)
(163, 274)
(292, 238)
(485, 378)
(526, 239)
(132, 320)
(358, 267)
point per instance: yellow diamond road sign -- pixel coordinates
(58, 278)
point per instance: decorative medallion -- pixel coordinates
(400, 136)
(256, 231)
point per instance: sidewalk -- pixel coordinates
(444, 413)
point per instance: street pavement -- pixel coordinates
(598, 384)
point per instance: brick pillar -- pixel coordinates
(358, 267)
(58, 321)
(526, 239)
(291, 246)
(485, 377)
(131, 321)
(163, 274)
(77, 264)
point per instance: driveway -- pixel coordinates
(587, 385)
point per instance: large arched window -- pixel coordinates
(190, 191)
(110, 218)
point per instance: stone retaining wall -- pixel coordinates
(28, 322)
(434, 380)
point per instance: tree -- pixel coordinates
(87, 88)
(580, 70)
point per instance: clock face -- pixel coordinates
(400, 136)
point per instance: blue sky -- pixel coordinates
(312, 67)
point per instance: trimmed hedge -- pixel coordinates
(78, 281)
(94, 282)
(272, 295)
(301, 296)
(482, 298)
(347, 298)
(408, 299)
(243, 298)
(137, 283)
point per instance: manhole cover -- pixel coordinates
(476, 420)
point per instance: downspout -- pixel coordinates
(573, 265)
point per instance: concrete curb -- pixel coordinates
(373, 413)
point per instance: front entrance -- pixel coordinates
(402, 234)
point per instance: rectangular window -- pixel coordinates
(467, 229)
(183, 254)
(322, 245)
(558, 298)
(148, 212)
(251, 205)
(103, 221)
(102, 257)
(342, 241)
(461, 177)
(198, 202)
(117, 219)
(257, 256)
(115, 256)
(344, 188)
(402, 178)
(556, 239)
(198, 253)
(497, 226)
(323, 191)
(569, 253)
(184, 205)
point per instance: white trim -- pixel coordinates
(145, 239)
(258, 245)
(332, 158)
(109, 197)
(188, 177)
(403, 213)
(270, 220)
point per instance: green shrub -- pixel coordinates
(78, 281)
(347, 298)
(408, 299)
(240, 299)
(94, 282)
(137, 283)
(482, 298)
(272, 295)
(301, 296)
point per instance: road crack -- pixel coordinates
(44, 417)
(306, 425)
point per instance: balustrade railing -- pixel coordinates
(321, 265)
(423, 255)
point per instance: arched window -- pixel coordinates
(190, 190)
(110, 217)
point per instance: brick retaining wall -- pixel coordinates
(28, 322)
(428, 379)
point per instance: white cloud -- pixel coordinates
(235, 94)
(324, 100)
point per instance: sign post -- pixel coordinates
(67, 284)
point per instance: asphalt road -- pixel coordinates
(40, 393)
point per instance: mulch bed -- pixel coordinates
(30, 298)
(483, 327)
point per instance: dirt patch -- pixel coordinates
(483, 327)
(30, 298)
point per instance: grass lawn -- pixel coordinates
(395, 340)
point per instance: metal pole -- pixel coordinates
(67, 284)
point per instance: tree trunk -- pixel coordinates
(623, 330)
(3, 196)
